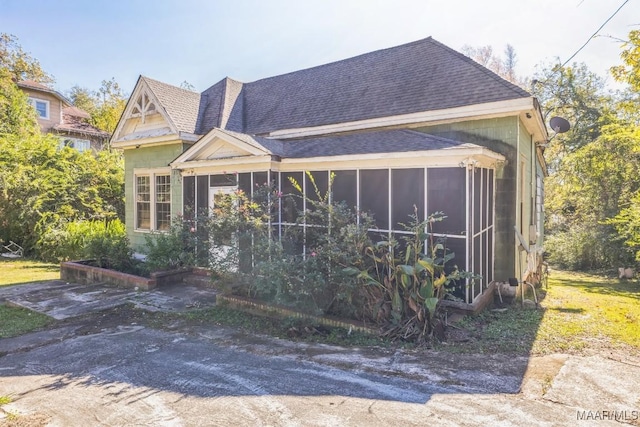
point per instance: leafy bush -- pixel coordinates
(42, 187)
(587, 248)
(173, 249)
(103, 241)
(325, 262)
(408, 280)
(314, 281)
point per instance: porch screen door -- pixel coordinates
(221, 248)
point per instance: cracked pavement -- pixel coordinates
(131, 374)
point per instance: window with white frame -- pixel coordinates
(41, 106)
(163, 202)
(153, 200)
(75, 143)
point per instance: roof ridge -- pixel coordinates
(225, 86)
(192, 92)
(511, 86)
(333, 63)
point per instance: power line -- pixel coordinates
(594, 34)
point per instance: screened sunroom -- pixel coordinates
(389, 175)
(464, 193)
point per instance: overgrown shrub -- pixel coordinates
(408, 279)
(42, 187)
(105, 242)
(323, 262)
(587, 247)
(173, 249)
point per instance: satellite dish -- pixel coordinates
(559, 124)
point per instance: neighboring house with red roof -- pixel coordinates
(413, 125)
(58, 116)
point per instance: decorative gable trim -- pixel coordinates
(141, 104)
(218, 145)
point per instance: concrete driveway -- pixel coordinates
(129, 374)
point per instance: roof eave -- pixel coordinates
(47, 90)
(488, 110)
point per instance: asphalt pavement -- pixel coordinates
(130, 374)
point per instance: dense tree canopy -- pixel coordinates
(593, 188)
(43, 186)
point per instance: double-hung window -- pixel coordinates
(41, 106)
(153, 200)
(163, 202)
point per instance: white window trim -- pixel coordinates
(75, 142)
(33, 100)
(151, 173)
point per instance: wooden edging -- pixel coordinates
(483, 301)
(271, 309)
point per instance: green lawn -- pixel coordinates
(580, 313)
(18, 271)
(583, 311)
(16, 321)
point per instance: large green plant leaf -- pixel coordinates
(406, 269)
(430, 304)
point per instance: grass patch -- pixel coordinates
(16, 321)
(585, 310)
(19, 271)
(580, 312)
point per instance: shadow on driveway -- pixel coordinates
(208, 375)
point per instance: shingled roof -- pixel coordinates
(421, 76)
(390, 141)
(181, 105)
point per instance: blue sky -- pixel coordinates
(83, 42)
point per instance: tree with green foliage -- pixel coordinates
(18, 63)
(17, 117)
(629, 71)
(105, 106)
(627, 220)
(43, 186)
(594, 178)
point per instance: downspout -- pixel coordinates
(518, 197)
(533, 196)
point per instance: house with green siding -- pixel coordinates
(417, 126)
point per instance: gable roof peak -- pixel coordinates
(181, 105)
(158, 82)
